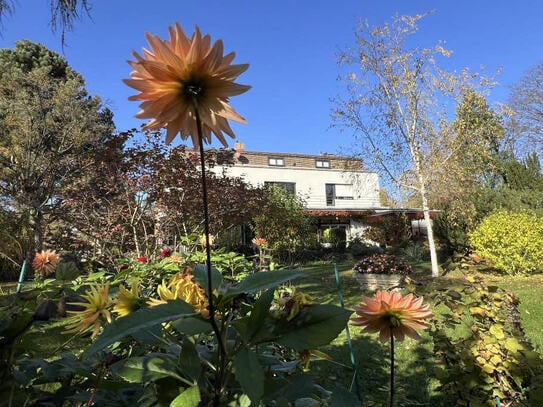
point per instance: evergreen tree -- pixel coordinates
(49, 129)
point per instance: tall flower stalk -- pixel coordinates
(393, 316)
(184, 85)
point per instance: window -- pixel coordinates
(322, 163)
(285, 186)
(338, 191)
(344, 191)
(276, 161)
(330, 193)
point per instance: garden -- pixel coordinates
(135, 275)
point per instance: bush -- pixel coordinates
(383, 264)
(512, 241)
(414, 252)
(358, 248)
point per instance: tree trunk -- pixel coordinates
(38, 231)
(430, 232)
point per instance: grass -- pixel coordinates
(529, 290)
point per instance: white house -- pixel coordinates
(336, 189)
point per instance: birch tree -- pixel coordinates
(397, 103)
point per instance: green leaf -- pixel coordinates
(200, 275)
(250, 374)
(190, 362)
(513, 345)
(146, 368)
(249, 327)
(497, 331)
(189, 398)
(139, 320)
(192, 326)
(314, 326)
(262, 281)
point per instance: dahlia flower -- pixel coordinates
(259, 241)
(182, 287)
(96, 306)
(45, 262)
(183, 77)
(127, 301)
(390, 313)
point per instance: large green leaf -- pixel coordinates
(250, 374)
(248, 327)
(262, 281)
(189, 398)
(314, 326)
(192, 326)
(190, 362)
(141, 319)
(200, 275)
(146, 368)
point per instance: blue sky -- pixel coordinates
(291, 47)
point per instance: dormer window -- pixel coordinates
(322, 163)
(276, 161)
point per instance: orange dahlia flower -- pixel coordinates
(259, 241)
(390, 313)
(178, 76)
(45, 262)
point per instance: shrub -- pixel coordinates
(414, 252)
(512, 241)
(383, 264)
(359, 248)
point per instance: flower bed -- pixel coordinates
(381, 271)
(382, 264)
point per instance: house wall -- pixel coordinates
(311, 183)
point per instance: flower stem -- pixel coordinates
(391, 368)
(212, 320)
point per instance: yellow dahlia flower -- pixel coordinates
(181, 75)
(182, 287)
(390, 313)
(45, 262)
(95, 307)
(127, 301)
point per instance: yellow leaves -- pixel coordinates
(497, 331)
(477, 311)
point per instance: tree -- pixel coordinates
(144, 196)
(397, 105)
(526, 101)
(63, 13)
(469, 159)
(284, 225)
(49, 128)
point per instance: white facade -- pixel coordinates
(334, 188)
(355, 190)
